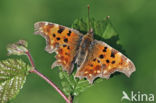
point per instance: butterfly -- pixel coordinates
(94, 58)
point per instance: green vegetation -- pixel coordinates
(133, 20)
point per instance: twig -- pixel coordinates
(45, 78)
(30, 59)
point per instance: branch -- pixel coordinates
(45, 78)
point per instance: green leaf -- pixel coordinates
(102, 28)
(72, 86)
(12, 78)
(104, 31)
(18, 48)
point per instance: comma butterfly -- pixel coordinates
(93, 58)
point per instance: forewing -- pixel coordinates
(102, 61)
(62, 40)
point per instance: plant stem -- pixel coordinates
(70, 98)
(52, 84)
(45, 78)
(30, 59)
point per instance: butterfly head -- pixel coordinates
(90, 30)
(90, 34)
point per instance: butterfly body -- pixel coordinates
(93, 58)
(84, 48)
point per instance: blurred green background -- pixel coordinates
(135, 21)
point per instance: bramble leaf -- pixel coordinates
(102, 28)
(104, 31)
(18, 48)
(13, 74)
(72, 86)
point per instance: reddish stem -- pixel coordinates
(52, 84)
(30, 58)
(45, 78)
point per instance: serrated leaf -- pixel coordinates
(80, 86)
(18, 48)
(13, 74)
(72, 86)
(103, 30)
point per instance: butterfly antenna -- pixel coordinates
(88, 17)
(90, 30)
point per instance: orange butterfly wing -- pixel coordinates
(102, 61)
(62, 40)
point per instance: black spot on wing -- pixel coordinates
(54, 35)
(101, 56)
(66, 40)
(98, 61)
(69, 33)
(113, 52)
(61, 29)
(91, 65)
(105, 49)
(107, 61)
(113, 62)
(68, 47)
(58, 38)
(94, 59)
(64, 45)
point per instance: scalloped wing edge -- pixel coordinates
(39, 31)
(50, 48)
(127, 71)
